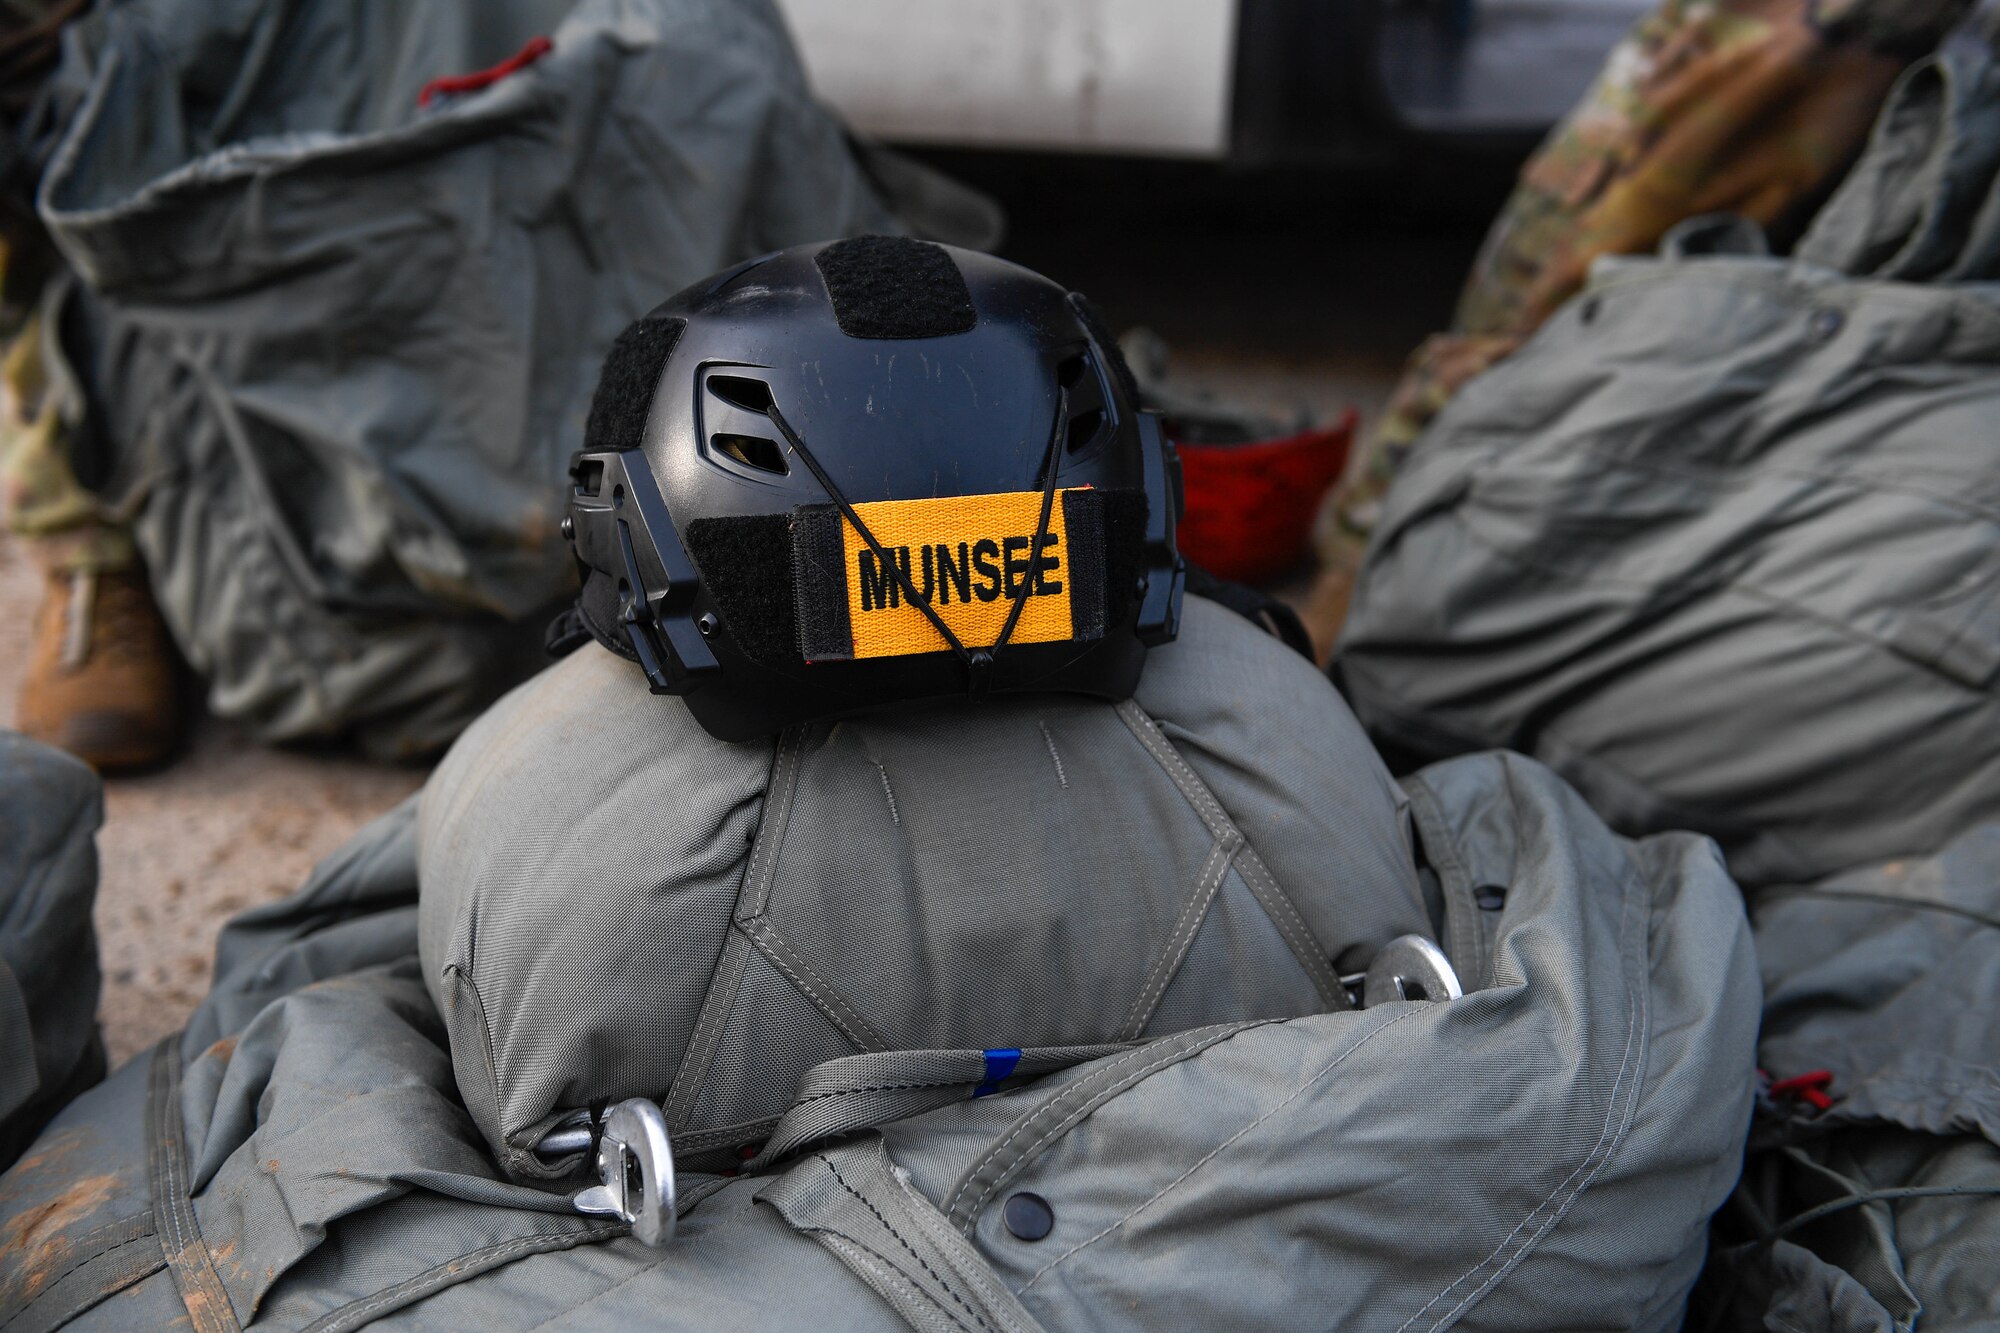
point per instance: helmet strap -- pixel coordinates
(978, 662)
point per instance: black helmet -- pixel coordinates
(871, 471)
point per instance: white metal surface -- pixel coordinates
(1128, 76)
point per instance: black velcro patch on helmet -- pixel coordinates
(895, 287)
(1124, 550)
(1083, 520)
(746, 567)
(818, 556)
(625, 387)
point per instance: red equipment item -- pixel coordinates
(452, 84)
(1250, 507)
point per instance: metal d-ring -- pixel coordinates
(635, 1163)
(1409, 967)
(576, 1132)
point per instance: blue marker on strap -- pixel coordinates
(999, 1064)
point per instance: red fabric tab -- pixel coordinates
(471, 83)
(1809, 1087)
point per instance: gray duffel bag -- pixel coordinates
(343, 343)
(50, 807)
(1871, 1198)
(1721, 545)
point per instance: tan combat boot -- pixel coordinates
(101, 677)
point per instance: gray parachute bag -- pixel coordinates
(1719, 545)
(1923, 203)
(1543, 1153)
(50, 1050)
(342, 343)
(617, 905)
(1881, 1209)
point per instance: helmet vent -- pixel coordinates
(742, 391)
(1070, 371)
(753, 451)
(1083, 428)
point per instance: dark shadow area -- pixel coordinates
(1302, 263)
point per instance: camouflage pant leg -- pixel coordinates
(1751, 107)
(40, 497)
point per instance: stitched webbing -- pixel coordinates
(850, 1200)
(98, 1265)
(858, 1092)
(726, 981)
(208, 1306)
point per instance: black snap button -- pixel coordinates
(1028, 1216)
(1490, 897)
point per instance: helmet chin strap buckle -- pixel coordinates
(635, 1163)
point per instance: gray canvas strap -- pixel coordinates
(1168, 964)
(1237, 851)
(95, 1266)
(858, 1092)
(826, 997)
(1468, 932)
(187, 1256)
(751, 899)
(851, 1200)
(358, 1314)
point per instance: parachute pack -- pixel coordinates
(327, 1147)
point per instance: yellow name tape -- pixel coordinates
(968, 556)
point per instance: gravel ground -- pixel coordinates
(227, 825)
